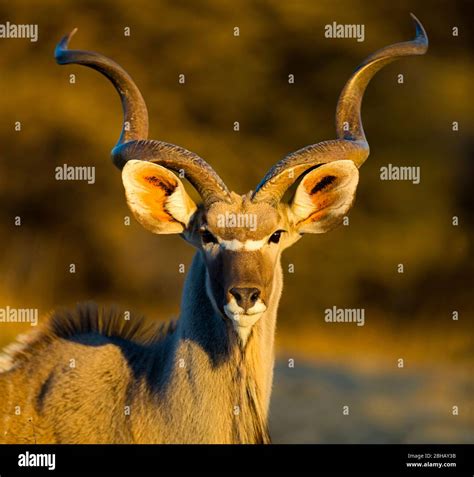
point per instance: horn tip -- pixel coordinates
(421, 35)
(73, 32)
(63, 45)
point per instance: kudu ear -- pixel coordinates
(324, 196)
(157, 197)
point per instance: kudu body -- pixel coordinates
(89, 375)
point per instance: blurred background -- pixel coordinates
(245, 78)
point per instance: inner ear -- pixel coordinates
(157, 197)
(324, 196)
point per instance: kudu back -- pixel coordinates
(90, 375)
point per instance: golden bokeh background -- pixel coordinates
(245, 79)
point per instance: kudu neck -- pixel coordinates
(202, 324)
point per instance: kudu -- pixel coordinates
(90, 376)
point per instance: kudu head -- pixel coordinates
(241, 237)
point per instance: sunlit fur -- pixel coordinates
(206, 380)
(90, 377)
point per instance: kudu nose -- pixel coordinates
(245, 297)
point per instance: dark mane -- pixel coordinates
(85, 318)
(111, 322)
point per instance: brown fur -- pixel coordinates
(89, 376)
(122, 364)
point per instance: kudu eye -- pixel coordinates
(207, 237)
(275, 238)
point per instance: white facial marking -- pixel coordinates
(231, 308)
(259, 307)
(241, 321)
(237, 245)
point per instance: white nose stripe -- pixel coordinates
(237, 245)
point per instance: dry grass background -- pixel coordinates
(245, 79)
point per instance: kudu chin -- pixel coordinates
(92, 376)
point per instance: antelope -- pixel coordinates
(88, 375)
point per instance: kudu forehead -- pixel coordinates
(242, 219)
